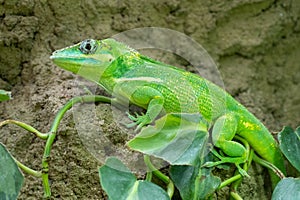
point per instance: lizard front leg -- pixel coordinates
(223, 132)
(151, 98)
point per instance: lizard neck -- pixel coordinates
(118, 69)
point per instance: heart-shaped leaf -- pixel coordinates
(120, 184)
(194, 182)
(289, 143)
(11, 179)
(287, 188)
(177, 138)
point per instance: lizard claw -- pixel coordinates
(223, 160)
(132, 117)
(139, 121)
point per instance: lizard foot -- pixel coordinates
(235, 160)
(139, 120)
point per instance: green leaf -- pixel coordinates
(289, 143)
(183, 177)
(194, 182)
(287, 188)
(176, 137)
(208, 184)
(5, 95)
(119, 183)
(11, 179)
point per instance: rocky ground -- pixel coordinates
(255, 44)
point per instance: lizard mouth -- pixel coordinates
(87, 67)
(73, 63)
(72, 60)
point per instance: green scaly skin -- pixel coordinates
(161, 88)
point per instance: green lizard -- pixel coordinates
(161, 88)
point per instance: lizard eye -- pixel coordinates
(88, 46)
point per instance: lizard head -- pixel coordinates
(89, 58)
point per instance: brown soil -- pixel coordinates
(254, 42)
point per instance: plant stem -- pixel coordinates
(160, 175)
(53, 131)
(28, 170)
(235, 196)
(149, 176)
(229, 181)
(50, 137)
(27, 127)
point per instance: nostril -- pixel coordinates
(53, 54)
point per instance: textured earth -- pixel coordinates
(255, 44)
